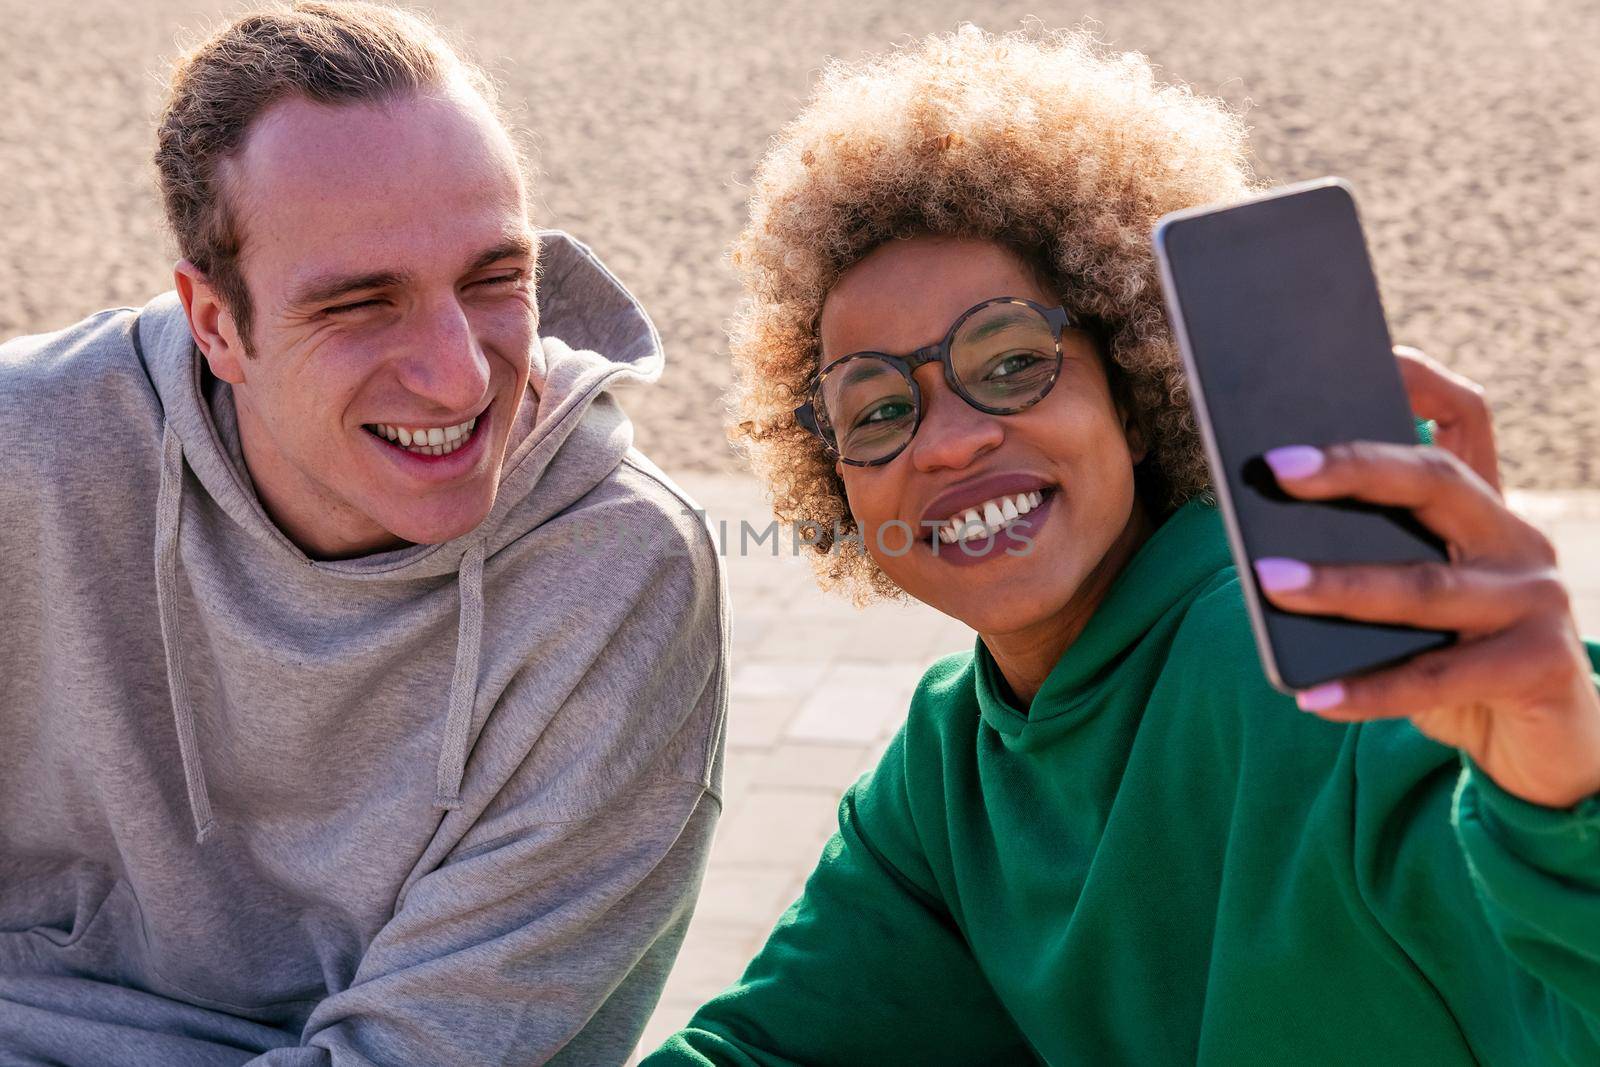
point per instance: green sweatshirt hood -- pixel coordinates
(1168, 570)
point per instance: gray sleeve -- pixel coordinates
(612, 1033)
(552, 945)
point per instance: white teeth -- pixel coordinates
(988, 518)
(435, 441)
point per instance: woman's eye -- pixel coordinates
(1015, 363)
(885, 412)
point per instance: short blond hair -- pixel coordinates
(328, 51)
(1046, 142)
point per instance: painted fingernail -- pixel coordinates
(1294, 461)
(1282, 575)
(1321, 698)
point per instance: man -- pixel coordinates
(362, 690)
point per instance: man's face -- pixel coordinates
(390, 267)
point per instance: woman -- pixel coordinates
(1102, 837)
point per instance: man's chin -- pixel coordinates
(439, 524)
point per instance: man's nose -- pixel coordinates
(443, 363)
(953, 433)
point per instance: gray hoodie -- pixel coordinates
(448, 804)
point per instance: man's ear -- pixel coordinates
(212, 324)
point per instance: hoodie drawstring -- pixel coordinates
(169, 509)
(464, 684)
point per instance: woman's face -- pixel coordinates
(1074, 448)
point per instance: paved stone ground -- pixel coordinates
(819, 687)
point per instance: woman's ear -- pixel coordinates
(1134, 434)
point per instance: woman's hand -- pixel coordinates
(1515, 692)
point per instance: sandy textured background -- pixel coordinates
(1470, 129)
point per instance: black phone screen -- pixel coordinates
(1277, 313)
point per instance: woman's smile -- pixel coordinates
(1011, 537)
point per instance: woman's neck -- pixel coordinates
(1027, 656)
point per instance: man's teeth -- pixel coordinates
(434, 441)
(988, 518)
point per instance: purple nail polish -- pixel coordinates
(1282, 575)
(1321, 698)
(1294, 461)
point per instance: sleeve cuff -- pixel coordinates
(1556, 839)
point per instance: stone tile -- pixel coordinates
(759, 721)
(739, 776)
(807, 639)
(825, 766)
(1578, 554)
(856, 703)
(763, 678)
(1586, 609)
(775, 828)
(1572, 522)
(1576, 505)
(744, 897)
(746, 629)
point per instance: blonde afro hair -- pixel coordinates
(1046, 142)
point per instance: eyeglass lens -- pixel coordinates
(1004, 356)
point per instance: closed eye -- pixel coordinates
(339, 309)
(501, 279)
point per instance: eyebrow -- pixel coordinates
(323, 288)
(327, 287)
(995, 325)
(863, 370)
(517, 246)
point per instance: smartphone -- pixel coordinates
(1275, 310)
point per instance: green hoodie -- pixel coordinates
(1164, 861)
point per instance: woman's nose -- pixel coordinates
(953, 433)
(443, 362)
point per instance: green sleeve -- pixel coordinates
(1507, 930)
(866, 967)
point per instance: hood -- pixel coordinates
(1181, 557)
(592, 338)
